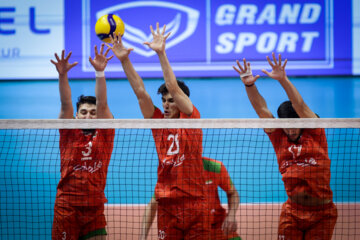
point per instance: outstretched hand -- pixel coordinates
(245, 73)
(278, 71)
(62, 65)
(118, 48)
(100, 61)
(229, 225)
(159, 39)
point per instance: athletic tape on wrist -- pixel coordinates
(99, 74)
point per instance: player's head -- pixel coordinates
(286, 110)
(170, 108)
(86, 107)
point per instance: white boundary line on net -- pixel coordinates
(179, 123)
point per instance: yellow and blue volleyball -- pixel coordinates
(107, 25)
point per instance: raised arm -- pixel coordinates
(257, 101)
(148, 218)
(230, 224)
(182, 101)
(278, 73)
(99, 63)
(136, 82)
(63, 66)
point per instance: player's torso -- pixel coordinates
(180, 162)
(305, 165)
(84, 161)
(300, 155)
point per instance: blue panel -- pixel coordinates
(207, 36)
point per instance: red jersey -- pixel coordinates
(180, 170)
(216, 176)
(84, 165)
(305, 164)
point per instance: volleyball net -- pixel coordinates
(30, 172)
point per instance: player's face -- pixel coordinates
(170, 108)
(86, 111)
(292, 133)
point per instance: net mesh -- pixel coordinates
(30, 173)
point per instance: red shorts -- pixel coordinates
(303, 222)
(216, 231)
(183, 219)
(78, 222)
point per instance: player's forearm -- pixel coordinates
(101, 91)
(148, 218)
(258, 102)
(133, 77)
(66, 110)
(233, 202)
(64, 89)
(169, 76)
(102, 107)
(292, 93)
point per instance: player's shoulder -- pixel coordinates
(212, 165)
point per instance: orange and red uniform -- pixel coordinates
(305, 167)
(80, 198)
(180, 189)
(216, 176)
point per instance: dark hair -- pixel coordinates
(163, 90)
(286, 110)
(85, 99)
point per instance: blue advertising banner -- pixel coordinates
(207, 36)
(30, 33)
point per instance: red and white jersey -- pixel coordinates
(84, 165)
(180, 170)
(305, 164)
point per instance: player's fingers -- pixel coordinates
(73, 65)
(274, 58)
(163, 30)
(266, 72)
(107, 51)
(102, 48)
(285, 62)
(244, 60)
(96, 50)
(239, 65)
(234, 227)
(68, 56)
(269, 61)
(237, 70)
(62, 54)
(167, 35)
(119, 38)
(248, 66)
(256, 78)
(224, 227)
(110, 47)
(112, 37)
(91, 61)
(157, 28)
(57, 57)
(279, 59)
(110, 57)
(152, 30)
(53, 62)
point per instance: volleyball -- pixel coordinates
(107, 25)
